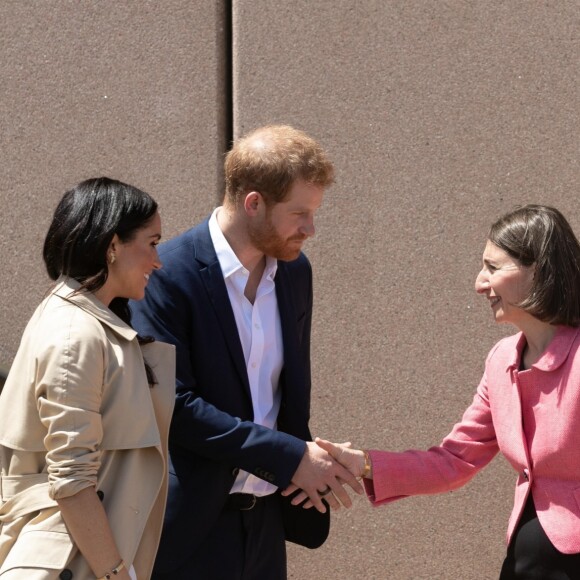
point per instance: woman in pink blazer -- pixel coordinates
(527, 404)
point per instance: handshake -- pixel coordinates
(324, 471)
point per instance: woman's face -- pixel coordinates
(504, 282)
(134, 261)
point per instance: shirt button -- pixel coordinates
(253, 365)
(526, 474)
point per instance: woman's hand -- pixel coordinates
(87, 522)
(352, 459)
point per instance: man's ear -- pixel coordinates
(253, 203)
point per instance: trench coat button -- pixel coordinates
(101, 495)
(235, 471)
(526, 474)
(66, 574)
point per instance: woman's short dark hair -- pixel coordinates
(540, 236)
(84, 223)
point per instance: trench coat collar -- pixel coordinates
(87, 301)
(555, 354)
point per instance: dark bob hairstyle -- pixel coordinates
(540, 236)
(84, 223)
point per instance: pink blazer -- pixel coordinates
(531, 416)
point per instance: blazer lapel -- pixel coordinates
(215, 285)
(287, 312)
(285, 307)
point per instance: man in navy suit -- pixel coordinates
(235, 297)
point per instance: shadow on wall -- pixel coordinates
(3, 375)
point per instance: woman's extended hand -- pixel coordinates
(352, 459)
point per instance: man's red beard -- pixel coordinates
(266, 239)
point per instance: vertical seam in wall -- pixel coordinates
(229, 73)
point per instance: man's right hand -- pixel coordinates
(319, 476)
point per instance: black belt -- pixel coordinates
(243, 501)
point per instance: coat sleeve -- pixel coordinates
(470, 446)
(167, 313)
(68, 388)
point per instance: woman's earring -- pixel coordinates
(112, 258)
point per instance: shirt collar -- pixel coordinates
(229, 262)
(67, 289)
(556, 352)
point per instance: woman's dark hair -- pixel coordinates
(540, 236)
(84, 223)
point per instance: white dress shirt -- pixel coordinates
(260, 334)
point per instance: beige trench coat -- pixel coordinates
(77, 411)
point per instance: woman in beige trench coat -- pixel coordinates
(85, 410)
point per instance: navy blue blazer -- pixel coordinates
(212, 435)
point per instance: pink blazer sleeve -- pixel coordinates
(469, 447)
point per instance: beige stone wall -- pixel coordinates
(440, 116)
(132, 90)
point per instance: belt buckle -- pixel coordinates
(252, 506)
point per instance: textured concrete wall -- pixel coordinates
(440, 116)
(132, 90)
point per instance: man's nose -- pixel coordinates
(308, 228)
